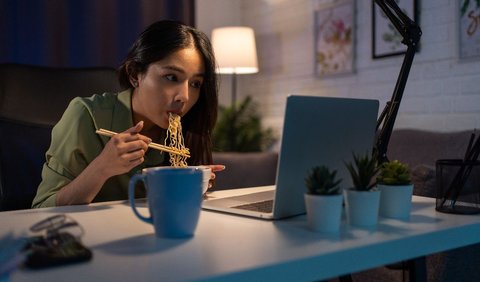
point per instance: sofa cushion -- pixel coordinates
(419, 147)
(245, 169)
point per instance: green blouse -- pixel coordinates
(75, 144)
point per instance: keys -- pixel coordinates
(263, 206)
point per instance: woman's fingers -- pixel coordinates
(132, 134)
(126, 150)
(136, 128)
(131, 140)
(133, 156)
(125, 144)
(217, 167)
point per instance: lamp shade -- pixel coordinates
(235, 50)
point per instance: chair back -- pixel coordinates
(32, 100)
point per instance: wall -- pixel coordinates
(441, 93)
(210, 14)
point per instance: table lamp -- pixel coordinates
(235, 52)
(411, 33)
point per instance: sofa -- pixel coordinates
(419, 149)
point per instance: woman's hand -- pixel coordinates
(123, 151)
(215, 168)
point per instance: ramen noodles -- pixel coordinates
(175, 139)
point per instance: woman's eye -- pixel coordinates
(170, 77)
(196, 84)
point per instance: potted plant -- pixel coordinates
(396, 190)
(363, 199)
(239, 129)
(323, 199)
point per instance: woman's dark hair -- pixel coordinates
(157, 42)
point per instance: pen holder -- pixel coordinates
(458, 186)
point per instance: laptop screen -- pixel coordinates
(320, 131)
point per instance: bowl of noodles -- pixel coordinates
(207, 174)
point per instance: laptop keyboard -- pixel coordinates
(263, 206)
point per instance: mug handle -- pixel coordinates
(131, 196)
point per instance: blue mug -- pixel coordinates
(174, 198)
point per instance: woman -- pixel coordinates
(169, 69)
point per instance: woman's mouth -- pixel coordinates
(176, 112)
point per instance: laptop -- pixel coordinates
(316, 131)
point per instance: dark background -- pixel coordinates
(79, 33)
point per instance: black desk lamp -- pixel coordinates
(411, 33)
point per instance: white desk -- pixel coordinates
(233, 248)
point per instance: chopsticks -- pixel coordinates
(152, 145)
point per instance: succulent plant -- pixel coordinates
(322, 181)
(394, 173)
(363, 171)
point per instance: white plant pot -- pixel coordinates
(396, 201)
(324, 212)
(362, 207)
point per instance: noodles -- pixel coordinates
(175, 136)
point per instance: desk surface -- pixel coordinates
(239, 248)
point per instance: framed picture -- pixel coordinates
(469, 29)
(386, 41)
(334, 37)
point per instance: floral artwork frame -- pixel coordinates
(468, 29)
(334, 37)
(386, 40)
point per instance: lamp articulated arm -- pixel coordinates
(411, 34)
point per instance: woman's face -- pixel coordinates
(171, 85)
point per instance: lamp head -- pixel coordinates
(235, 50)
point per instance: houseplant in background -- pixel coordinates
(323, 199)
(363, 199)
(239, 129)
(396, 190)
